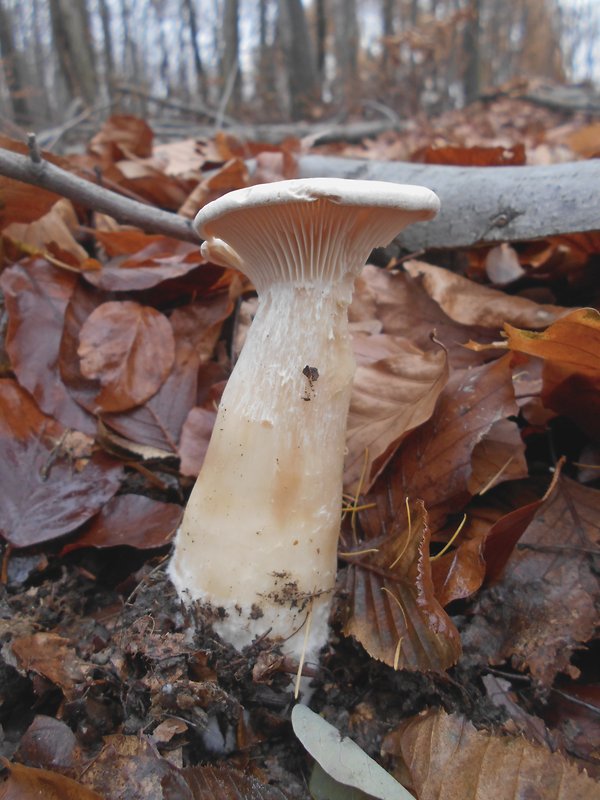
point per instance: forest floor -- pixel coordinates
(118, 691)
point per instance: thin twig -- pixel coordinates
(48, 176)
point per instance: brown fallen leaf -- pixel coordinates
(122, 136)
(460, 572)
(160, 421)
(437, 462)
(49, 743)
(132, 520)
(544, 606)
(152, 260)
(570, 348)
(34, 287)
(195, 436)
(130, 349)
(470, 303)
(54, 657)
(390, 397)
(54, 231)
(216, 783)
(404, 308)
(18, 782)
(391, 608)
(443, 756)
(474, 156)
(46, 492)
(128, 768)
(573, 709)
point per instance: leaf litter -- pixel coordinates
(469, 525)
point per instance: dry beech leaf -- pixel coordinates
(160, 421)
(498, 457)
(35, 289)
(46, 492)
(130, 349)
(132, 520)
(195, 436)
(443, 756)
(18, 782)
(404, 308)
(22, 202)
(216, 783)
(435, 462)
(474, 156)
(54, 657)
(460, 572)
(392, 610)
(570, 348)
(470, 303)
(155, 259)
(390, 397)
(552, 575)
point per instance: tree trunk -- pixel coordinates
(73, 42)
(298, 53)
(346, 51)
(231, 77)
(198, 66)
(107, 44)
(472, 78)
(14, 68)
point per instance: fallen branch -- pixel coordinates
(484, 204)
(39, 172)
(479, 204)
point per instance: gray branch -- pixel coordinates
(130, 212)
(484, 204)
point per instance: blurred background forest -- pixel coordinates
(222, 62)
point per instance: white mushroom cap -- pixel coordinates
(310, 229)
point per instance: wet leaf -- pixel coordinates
(18, 782)
(130, 349)
(392, 610)
(34, 289)
(132, 520)
(443, 755)
(390, 397)
(46, 493)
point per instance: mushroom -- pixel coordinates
(258, 540)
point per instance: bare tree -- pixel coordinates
(345, 24)
(471, 39)
(190, 8)
(15, 69)
(299, 56)
(230, 58)
(74, 47)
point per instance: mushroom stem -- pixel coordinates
(259, 535)
(266, 507)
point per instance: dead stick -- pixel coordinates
(130, 212)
